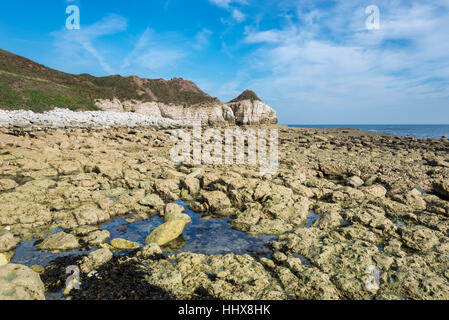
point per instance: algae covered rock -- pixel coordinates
(59, 241)
(18, 282)
(166, 232)
(122, 244)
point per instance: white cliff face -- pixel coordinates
(249, 112)
(150, 109)
(244, 112)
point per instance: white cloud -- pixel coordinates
(202, 39)
(229, 5)
(84, 38)
(326, 59)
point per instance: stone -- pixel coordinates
(354, 182)
(151, 250)
(175, 211)
(192, 184)
(18, 282)
(166, 232)
(97, 237)
(7, 241)
(7, 184)
(124, 245)
(59, 241)
(152, 200)
(3, 259)
(96, 259)
(37, 268)
(376, 191)
(216, 200)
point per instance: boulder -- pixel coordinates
(166, 232)
(3, 259)
(216, 200)
(7, 241)
(97, 237)
(18, 282)
(59, 241)
(152, 200)
(191, 184)
(124, 245)
(7, 184)
(175, 211)
(96, 259)
(354, 182)
(151, 250)
(376, 191)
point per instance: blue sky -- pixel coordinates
(313, 61)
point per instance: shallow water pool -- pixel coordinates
(203, 235)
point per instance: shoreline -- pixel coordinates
(377, 200)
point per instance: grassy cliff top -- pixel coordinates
(25, 84)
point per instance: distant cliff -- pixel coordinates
(27, 85)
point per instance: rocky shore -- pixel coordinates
(355, 215)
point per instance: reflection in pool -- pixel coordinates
(206, 236)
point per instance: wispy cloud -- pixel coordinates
(85, 37)
(325, 58)
(230, 5)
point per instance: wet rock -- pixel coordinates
(166, 232)
(18, 282)
(7, 241)
(37, 268)
(59, 241)
(217, 201)
(175, 211)
(168, 189)
(97, 237)
(124, 245)
(247, 219)
(95, 259)
(152, 200)
(192, 184)
(151, 250)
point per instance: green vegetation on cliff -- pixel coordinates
(27, 85)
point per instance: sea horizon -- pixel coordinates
(420, 131)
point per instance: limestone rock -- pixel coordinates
(124, 245)
(151, 250)
(376, 191)
(166, 232)
(3, 259)
(354, 182)
(7, 241)
(175, 211)
(152, 200)
(59, 241)
(7, 184)
(216, 200)
(18, 282)
(192, 184)
(97, 237)
(96, 259)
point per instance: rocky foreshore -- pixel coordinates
(355, 215)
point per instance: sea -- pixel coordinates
(419, 131)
